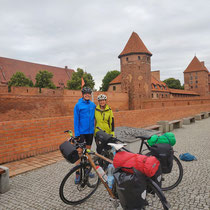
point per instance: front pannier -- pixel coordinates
(131, 189)
(102, 139)
(69, 152)
(164, 153)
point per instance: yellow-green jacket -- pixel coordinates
(104, 119)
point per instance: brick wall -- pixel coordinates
(27, 103)
(25, 138)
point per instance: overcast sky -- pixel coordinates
(91, 34)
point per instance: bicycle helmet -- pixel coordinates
(86, 90)
(102, 97)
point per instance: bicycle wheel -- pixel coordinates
(155, 197)
(172, 179)
(73, 194)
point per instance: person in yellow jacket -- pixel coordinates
(104, 117)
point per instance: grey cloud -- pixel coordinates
(92, 34)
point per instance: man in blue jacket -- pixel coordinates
(84, 116)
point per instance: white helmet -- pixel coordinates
(102, 97)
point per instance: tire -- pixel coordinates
(73, 194)
(155, 198)
(171, 180)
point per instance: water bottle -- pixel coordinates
(102, 173)
(113, 151)
(110, 178)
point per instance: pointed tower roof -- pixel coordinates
(195, 65)
(134, 46)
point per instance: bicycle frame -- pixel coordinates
(142, 144)
(90, 160)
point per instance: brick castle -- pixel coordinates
(32, 123)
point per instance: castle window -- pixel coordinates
(152, 95)
(126, 58)
(148, 59)
(196, 86)
(139, 58)
(196, 81)
(114, 88)
(191, 77)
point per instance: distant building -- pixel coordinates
(197, 77)
(8, 67)
(140, 83)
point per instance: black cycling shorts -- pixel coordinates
(88, 138)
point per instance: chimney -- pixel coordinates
(203, 63)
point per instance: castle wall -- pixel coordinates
(27, 103)
(24, 138)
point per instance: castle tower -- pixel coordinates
(196, 77)
(135, 71)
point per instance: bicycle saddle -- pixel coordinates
(117, 146)
(145, 136)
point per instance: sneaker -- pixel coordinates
(77, 178)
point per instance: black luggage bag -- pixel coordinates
(164, 153)
(69, 152)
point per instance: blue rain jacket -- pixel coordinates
(84, 115)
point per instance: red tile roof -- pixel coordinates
(8, 67)
(134, 45)
(116, 80)
(158, 85)
(178, 91)
(195, 65)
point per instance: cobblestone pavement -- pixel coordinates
(39, 189)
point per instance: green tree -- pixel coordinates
(19, 80)
(108, 78)
(75, 82)
(173, 83)
(44, 80)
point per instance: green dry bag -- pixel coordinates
(167, 138)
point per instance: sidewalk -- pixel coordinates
(39, 189)
(28, 164)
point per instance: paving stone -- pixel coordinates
(39, 189)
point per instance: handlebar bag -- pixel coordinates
(102, 139)
(69, 152)
(131, 188)
(148, 165)
(164, 153)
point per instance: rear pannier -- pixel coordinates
(131, 188)
(69, 152)
(164, 153)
